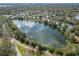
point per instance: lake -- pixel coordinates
(77, 17)
(41, 33)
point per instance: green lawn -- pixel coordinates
(22, 50)
(0, 41)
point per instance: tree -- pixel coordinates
(6, 48)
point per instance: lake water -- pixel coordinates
(77, 17)
(41, 33)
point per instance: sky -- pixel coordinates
(39, 1)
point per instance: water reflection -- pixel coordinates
(41, 33)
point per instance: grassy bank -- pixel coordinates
(22, 50)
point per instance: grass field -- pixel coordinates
(22, 50)
(0, 41)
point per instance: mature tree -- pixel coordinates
(6, 48)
